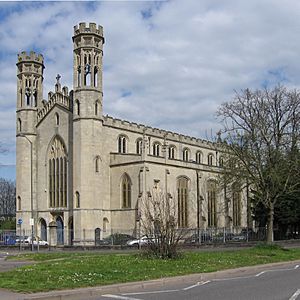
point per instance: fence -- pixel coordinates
(120, 237)
(222, 235)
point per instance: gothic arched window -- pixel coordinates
(19, 207)
(122, 144)
(96, 108)
(19, 125)
(77, 199)
(139, 146)
(43, 229)
(77, 107)
(79, 75)
(210, 159)
(156, 149)
(56, 119)
(182, 195)
(211, 203)
(95, 76)
(172, 151)
(126, 191)
(57, 166)
(186, 154)
(97, 164)
(221, 161)
(199, 157)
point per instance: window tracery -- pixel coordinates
(182, 197)
(57, 166)
(126, 191)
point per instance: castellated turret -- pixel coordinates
(30, 68)
(88, 43)
(30, 79)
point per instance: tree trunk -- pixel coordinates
(270, 231)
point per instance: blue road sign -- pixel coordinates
(20, 221)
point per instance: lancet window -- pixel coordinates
(126, 191)
(182, 195)
(172, 151)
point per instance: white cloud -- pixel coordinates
(176, 64)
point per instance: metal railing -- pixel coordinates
(120, 237)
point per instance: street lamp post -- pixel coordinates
(31, 184)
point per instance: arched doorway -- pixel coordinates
(71, 231)
(97, 236)
(43, 234)
(60, 231)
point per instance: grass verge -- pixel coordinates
(52, 271)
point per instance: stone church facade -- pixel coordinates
(80, 172)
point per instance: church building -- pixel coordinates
(80, 174)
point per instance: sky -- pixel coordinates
(167, 64)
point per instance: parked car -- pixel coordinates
(143, 241)
(249, 234)
(9, 240)
(238, 237)
(115, 239)
(22, 239)
(35, 242)
(120, 238)
(205, 237)
(41, 243)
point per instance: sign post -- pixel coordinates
(20, 221)
(32, 224)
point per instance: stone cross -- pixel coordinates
(57, 78)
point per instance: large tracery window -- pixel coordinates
(212, 204)
(57, 165)
(126, 191)
(182, 195)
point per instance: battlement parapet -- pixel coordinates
(61, 98)
(90, 28)
(30, 57)
(156, 132)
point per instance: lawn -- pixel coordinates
(50, 271)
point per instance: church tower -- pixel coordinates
(87, 71)
(30, 68)
(88, 43)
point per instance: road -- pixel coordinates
(278, 283)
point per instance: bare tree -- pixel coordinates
(159, 221)
(262, 130)
(7, 198)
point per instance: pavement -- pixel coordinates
(127, 288)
